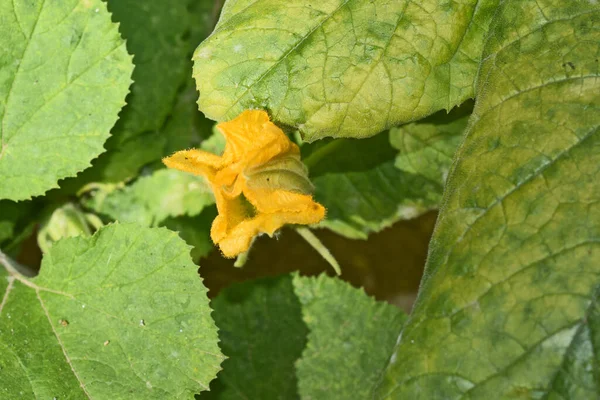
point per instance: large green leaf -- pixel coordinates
(350, 340)
(118, 315)
(262, 334)
(356, 180)
(151, 199)
(64, 74)
(272, 355)
(161, 35)
(341, 68)
(509, 304)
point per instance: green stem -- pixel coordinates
(319, 247)
(322, 152)
(241, 259)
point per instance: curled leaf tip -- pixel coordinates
(259, 182)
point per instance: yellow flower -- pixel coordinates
(259, 182)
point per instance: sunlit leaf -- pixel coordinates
(120, 313)
(64, 74)
(341, 68)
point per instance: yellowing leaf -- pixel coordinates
(341, 68)
(508, 307)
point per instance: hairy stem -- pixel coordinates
(319, 247)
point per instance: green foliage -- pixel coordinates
(118, 313)
(161, 36)
(347, 325)
(341, 68)
(426, 147)
(508, 303)
(262, 334)
(152, 199)
(185, 127)
(356, 180)
(508, 306)
(11, 213)
(285, 336)
(195, 231)
(167, 197)
(65, 221)
(56, 56)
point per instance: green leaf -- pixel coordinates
(262, 334)
(118, 313)
(427, 147)
(12, 214)
(186, 127)
(64, 74)
(161, 36)
(350, 340)
(195, 231)
(264, 328)
(341, 68)
(151, 199)
(356, 180)
(508, 307)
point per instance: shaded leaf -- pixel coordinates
(427, 147)
(338, 338)
(351, 337)
(509, 303)
(118, 313)
(356, 180)
(13, 214)
(64, 75)
(186, 127)
(341, 68)
(161, 36)
(151, 199)
(262, 333)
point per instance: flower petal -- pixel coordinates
(272, 201)
(197, 162)
(239, 238)
(252, 139)
(232, 211)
